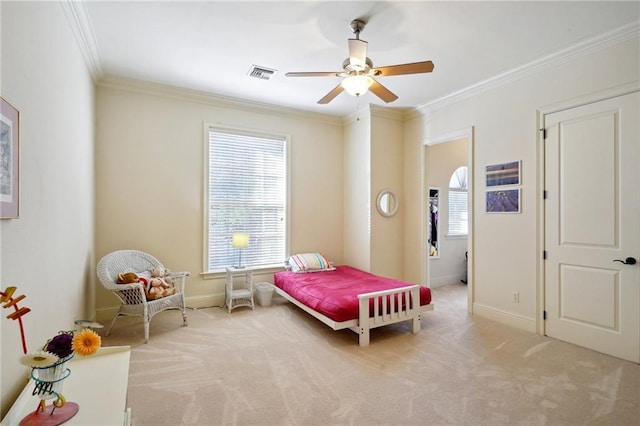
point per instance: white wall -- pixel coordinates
(442, 160)
(357, 191)
(415, 129)
(373, 140)
(149, 178)
(48, 252)
(387, 163)
(505, 129)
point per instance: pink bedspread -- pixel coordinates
(335, 293)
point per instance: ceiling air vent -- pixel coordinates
(261, 72)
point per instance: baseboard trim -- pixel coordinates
(105, 315)
(504, 317)
(209, 301)
(442, 281)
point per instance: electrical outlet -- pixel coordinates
(515, 297)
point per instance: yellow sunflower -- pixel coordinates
(86, 342)
(39, 359)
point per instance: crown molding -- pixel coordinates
(581, 49)
(80, 23)
(205, 98)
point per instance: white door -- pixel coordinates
(592, 218)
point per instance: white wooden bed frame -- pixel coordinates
(390, 312)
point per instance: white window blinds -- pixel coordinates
(246, 194)
(458, 217)
(458, 202)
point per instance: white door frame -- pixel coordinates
(540, 184)
(466, 133)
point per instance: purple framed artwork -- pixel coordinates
(9, 160)
(503, 174)
(503, 201)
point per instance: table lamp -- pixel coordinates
(240, 241)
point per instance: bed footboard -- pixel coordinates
(389, 307)
(386, 310)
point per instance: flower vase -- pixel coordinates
(48, 385)
(49, 380)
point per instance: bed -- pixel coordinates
(344, 297)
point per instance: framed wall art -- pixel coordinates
(503, 201)
(503, 174)
(9, 160)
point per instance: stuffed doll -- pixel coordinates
(158, 286)
(156, 289)
(127, 278)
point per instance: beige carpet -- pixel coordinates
(279, 366)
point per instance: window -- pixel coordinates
(458, 204)
(246, 193)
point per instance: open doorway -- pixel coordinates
(447, 201)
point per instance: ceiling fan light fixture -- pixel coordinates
(358, 71)
(357, 85)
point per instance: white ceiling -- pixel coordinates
(210, 46)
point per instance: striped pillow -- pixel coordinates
(309, 262)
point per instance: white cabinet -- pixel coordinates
(98, 384)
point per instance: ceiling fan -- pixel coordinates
(359, 72)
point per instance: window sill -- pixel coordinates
(262, 269)
(457, 237)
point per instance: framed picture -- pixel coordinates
(503, 174)
(503, 201)
(9, 160)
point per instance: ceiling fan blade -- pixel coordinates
(413, 68)
(357, 53)
(315, 74)
(382, 92)
(332, 94)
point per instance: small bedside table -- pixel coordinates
(236, 297)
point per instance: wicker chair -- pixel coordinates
(132, 296)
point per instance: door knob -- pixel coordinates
(627, 261)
